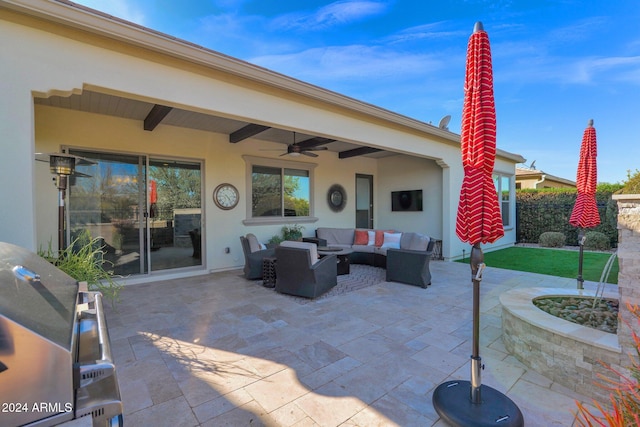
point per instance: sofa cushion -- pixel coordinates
(381, 250)
(337, 245)
(361, 237)
(414, 241)
(363, 248)
(333, 236)
(254, 244)
(311, 247)
(391, 240)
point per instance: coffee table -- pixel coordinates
(342, 254)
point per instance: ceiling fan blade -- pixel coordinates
(315, 149)
(307, 153)
(284, 154)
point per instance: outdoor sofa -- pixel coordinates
(405, 255)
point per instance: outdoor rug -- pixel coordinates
(361, 276)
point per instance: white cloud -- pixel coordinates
(611, 69)
(350, 62)
(426, 31)
(334, 14)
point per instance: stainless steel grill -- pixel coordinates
(55, 354)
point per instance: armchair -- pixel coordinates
(410, 266)
(253, 255)
(300, 272)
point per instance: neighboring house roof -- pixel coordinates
(94, 21)
(539, 179)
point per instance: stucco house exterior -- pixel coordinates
(536, 179)
(166, 122)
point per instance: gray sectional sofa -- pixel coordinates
(405, 255)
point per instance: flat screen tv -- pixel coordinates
(407, 201)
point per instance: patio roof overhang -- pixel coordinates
(151, 114)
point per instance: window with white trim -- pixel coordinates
(505, 197)
(279, 190)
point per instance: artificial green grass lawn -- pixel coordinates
(555, 262)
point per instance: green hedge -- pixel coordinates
(539, 211)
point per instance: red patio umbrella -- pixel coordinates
(585, 212)
(153, 191)
(464, 403)
(153, 198)
(479, 219)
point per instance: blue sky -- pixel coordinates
(556, 64)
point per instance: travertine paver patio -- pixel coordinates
(218, 350)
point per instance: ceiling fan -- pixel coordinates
(306, 147)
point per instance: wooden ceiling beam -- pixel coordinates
(358, 152)
(155, 116)
(247, 132)
(314, 142)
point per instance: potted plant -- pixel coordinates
(292, 232)
(274, 241)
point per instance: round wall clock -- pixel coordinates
(226, 196)
(337, 197)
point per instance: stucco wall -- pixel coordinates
(402, 172)
(47, 57)
(223, 162)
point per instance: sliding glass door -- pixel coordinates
(146, 211)
(175, 214)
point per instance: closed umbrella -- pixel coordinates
(464, 403)
(153, 198)
(585, 212)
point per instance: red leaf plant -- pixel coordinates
(624, 394)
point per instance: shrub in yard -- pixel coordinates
(632, 185)
(594, 240)
(552, 239)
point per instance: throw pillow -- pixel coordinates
(372, 238)
(361, 237)
(380, 237)
(391, 240)
(419, 242)
(254, 244)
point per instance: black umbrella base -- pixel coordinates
(452, 401)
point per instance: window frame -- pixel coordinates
(497, 180)
(250, 162)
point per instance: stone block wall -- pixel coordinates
(570, 362)
(629, 261)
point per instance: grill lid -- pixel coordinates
(37, 295)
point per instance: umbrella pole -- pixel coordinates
(581, 238)
(461, 403)
(477, 265)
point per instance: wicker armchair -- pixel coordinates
(410, 266)
(299, 271)
(253, 256)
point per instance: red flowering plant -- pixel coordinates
(624, 393)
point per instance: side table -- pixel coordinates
(437, 250)
(269, 272)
